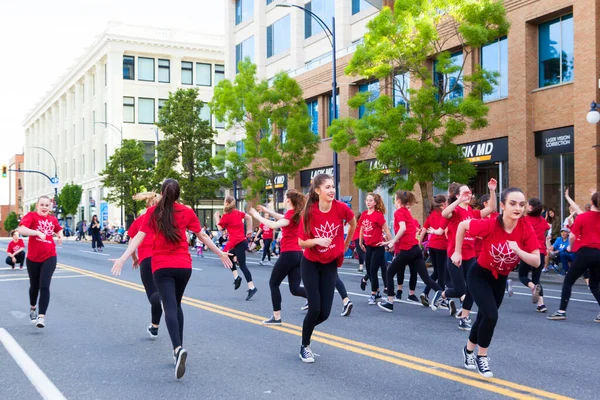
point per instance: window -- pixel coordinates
(105, 154)
(149, 151)
(219, 124)
(94, 160)
(453, 86)
(128, 67)
(244, 9)
(105, 75)
(83, 164)
(161, 104)
(146, 111)
(187, 73)
(219, 147)
(243, 50)
(203, 74)
(269, 1)
(239, 147)
(219, 73)
(400, 89)
(324, 9)
(83, 93)
(337, 108)
(556, 51)
(205, 114)
(93, 122)
(74, 172)
(93, 84)
(20, 184)
(129, 109)
(74, 138)
(313, 111)
(359, 5)
(373, 89)
(164, 71)
(494, 58)
(146, 69)
(82, 129)
(105, 113)
(278, 36)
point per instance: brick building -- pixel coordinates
(15, 181)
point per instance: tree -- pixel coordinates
(69, 199)
(185, 153)
(127, 173)
(32, 207)
(414, 138)
(11, 222)
(278, 139)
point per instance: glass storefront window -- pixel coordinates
(557, 173)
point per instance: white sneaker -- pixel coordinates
(41, 322)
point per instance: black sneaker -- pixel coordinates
(412, 297)
(469, 359)
(535, 293)
(451, 308)
(483, 366)
(465, 324)
(398, 297)
(152, 331)
(436, 301)
(378, 296)
(306, 355)
(251, 292)
(386, 306)
(272, 321)
(33, 315)
(509, 287)
(305, 306)
(347, 309)
(363, 284)
(424, 299)
(237, 282)
(180, 363)
(541, 309)
(558, 316)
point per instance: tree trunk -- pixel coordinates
(426, 197)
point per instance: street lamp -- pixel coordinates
(122, 189)
(55, 181)
(593, 116)
(331, 37)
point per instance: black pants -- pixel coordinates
(586, 257)
(267, 249)
(319, 283)
(288, 264)
(340, 287)
(524, 269)
(361, 253)
(375, 259)
(414, 258)
(96, 240)
(40, 275)
(20, 257)
(438, 260)
(458, 276)
(171, 283)
(239, 251)
(488, 293)
(151, 291)
(412, 281)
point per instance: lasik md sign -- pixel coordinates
(486, 151)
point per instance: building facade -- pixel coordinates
(537, 138)
(114, 92)
(15, 185)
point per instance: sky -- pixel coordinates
(42, 39)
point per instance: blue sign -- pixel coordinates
(104, 213)
(54, 180)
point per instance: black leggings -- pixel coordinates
(151, 292)
(488, 293)
(438, 260)
(375, 259)
(239, 251)
(414, 258)
(524, 269)
(361, 253)
(288, 264)
(171, 283)
(97, 240)
(267, 249)
(412, 281)
(20, 257)
(340, 287)
(40, 275)
(586, 257)
(319, 283)
(458, 276)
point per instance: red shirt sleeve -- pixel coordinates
(346, 214)
(481, 227)
(146, 225)
(529, 239)
(11, 246)
(27, 220)
(476, 214)
(134, 228)
(224, 221)
(381, 219)
(193, 223)
(576, 227)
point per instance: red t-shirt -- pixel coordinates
(409, 238)
(166, 254)
(327, 225)
(540, 227)
(458, 215)
(15, 246)
(435, 220)
(289, 234)
(267, 233)
(233, 221)
(372, 227)
(145, 249)
(356, 235)
(41, 250)
(496, 255)
(478, 243)
(586, 229)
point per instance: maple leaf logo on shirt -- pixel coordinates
(46, 227)
(367, 226)
(327, 231)
(503, 255)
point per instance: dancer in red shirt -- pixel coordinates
(288, 263)
(505, 240)
(360, 251)
(435, 225)
(171, 260)
(233, 220)
(321, 234)
(15, 250)
(40, 226)
(267, 238)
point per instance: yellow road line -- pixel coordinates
(415, 363)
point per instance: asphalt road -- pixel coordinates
(95, 345)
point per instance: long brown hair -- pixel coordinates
(298, 201)
(379, 205)
(229, 205)
(405, 197)
(437, 203)
(596, 199)
(163, 218)
(313, 197)
(454, 191)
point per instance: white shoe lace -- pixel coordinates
(306, 352)
(484, 363)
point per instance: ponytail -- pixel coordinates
(298, 202)
(163, 218)
(229, 205)
(313, 197)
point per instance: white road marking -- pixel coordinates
(95, 252)
(19, 314)
(54, 277)
(197, 269)
(36, 376)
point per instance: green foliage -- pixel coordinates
(32, 207)
(125, 174)
(416, 146)
(69, 198)
(11, 222)
(274, 117)
(185, 152)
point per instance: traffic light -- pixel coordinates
(4, 171)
